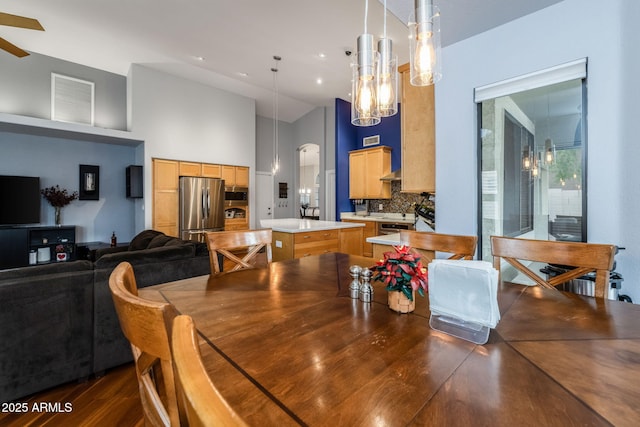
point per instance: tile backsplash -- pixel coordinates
(400, 202)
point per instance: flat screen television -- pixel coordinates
(19, 200)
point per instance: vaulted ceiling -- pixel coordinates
(231, 44)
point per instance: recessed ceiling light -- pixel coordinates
(242, 74)
(319, 81)
(322, 55)
(199, 58)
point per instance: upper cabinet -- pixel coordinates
(418, 136)
(190, 169)
(235, 176)
(366, 167)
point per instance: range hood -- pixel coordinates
(393, 176)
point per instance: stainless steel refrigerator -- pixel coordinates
(201, 207)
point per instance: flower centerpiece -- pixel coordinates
(58, 198)
(403, 273)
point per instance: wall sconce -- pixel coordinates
(424, 56)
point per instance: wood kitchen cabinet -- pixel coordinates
(370, 229)
(298, 245)
(366, 167)
(235, 176)
(190, 169)
(418, 136)
(165, 196)
(166, 175)
(211, 171)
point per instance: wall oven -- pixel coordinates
(236, 196)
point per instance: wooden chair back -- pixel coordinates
(228, 243)
(586, 257)
(147, 325)
(461, 247)
(201, 400)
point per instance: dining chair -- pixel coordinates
(226, 247)
(203, 405)
(585, 257)
(460, 247)
(147, 326)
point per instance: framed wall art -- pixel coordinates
(89, 186)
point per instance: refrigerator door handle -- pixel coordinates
(203, 204)
(208, 203)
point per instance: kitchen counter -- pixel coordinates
(380, 217)
(294, 225)
(385, 239)
(382, 244)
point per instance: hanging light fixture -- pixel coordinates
(387, 74)
(364, 98)
(549, 147)
(526, 159)
(275, 164)
(424, 56)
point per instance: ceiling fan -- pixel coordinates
(20, 22)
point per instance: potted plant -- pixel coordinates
(58, 198)
(403, 273)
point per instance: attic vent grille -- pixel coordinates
(72, 100)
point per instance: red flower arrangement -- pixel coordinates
(58, 198)
(402, 271)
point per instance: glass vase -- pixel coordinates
(56, 217)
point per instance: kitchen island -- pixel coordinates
(296, 238)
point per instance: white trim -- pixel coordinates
(560, 73)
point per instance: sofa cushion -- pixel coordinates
(159, 241)
(142, 240)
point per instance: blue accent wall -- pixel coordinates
(349, 137)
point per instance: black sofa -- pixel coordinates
(155, 258)
(58, 320)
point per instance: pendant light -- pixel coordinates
(387, 74)
(275, 164)
(549, 147)
(364, 98)
(424, 56)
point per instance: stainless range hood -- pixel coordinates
(393, 176)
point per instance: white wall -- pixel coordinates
(561, 33)
(284, 208)
(311, 129)
(184, 120)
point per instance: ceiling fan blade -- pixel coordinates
(12, 49)
(20, 22)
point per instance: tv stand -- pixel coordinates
(17, 242)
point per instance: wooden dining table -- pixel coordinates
(287, 345)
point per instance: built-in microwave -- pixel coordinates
(236, 196)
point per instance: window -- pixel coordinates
(532, 156)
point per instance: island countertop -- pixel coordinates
(295, 225)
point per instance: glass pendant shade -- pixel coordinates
(387, 79)
(424, 54)
(526, 160)
(549, 151)
(364, 102)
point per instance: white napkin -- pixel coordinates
(467, 290)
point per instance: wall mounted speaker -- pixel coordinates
(134, 182)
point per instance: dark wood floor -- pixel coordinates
(111, 400)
